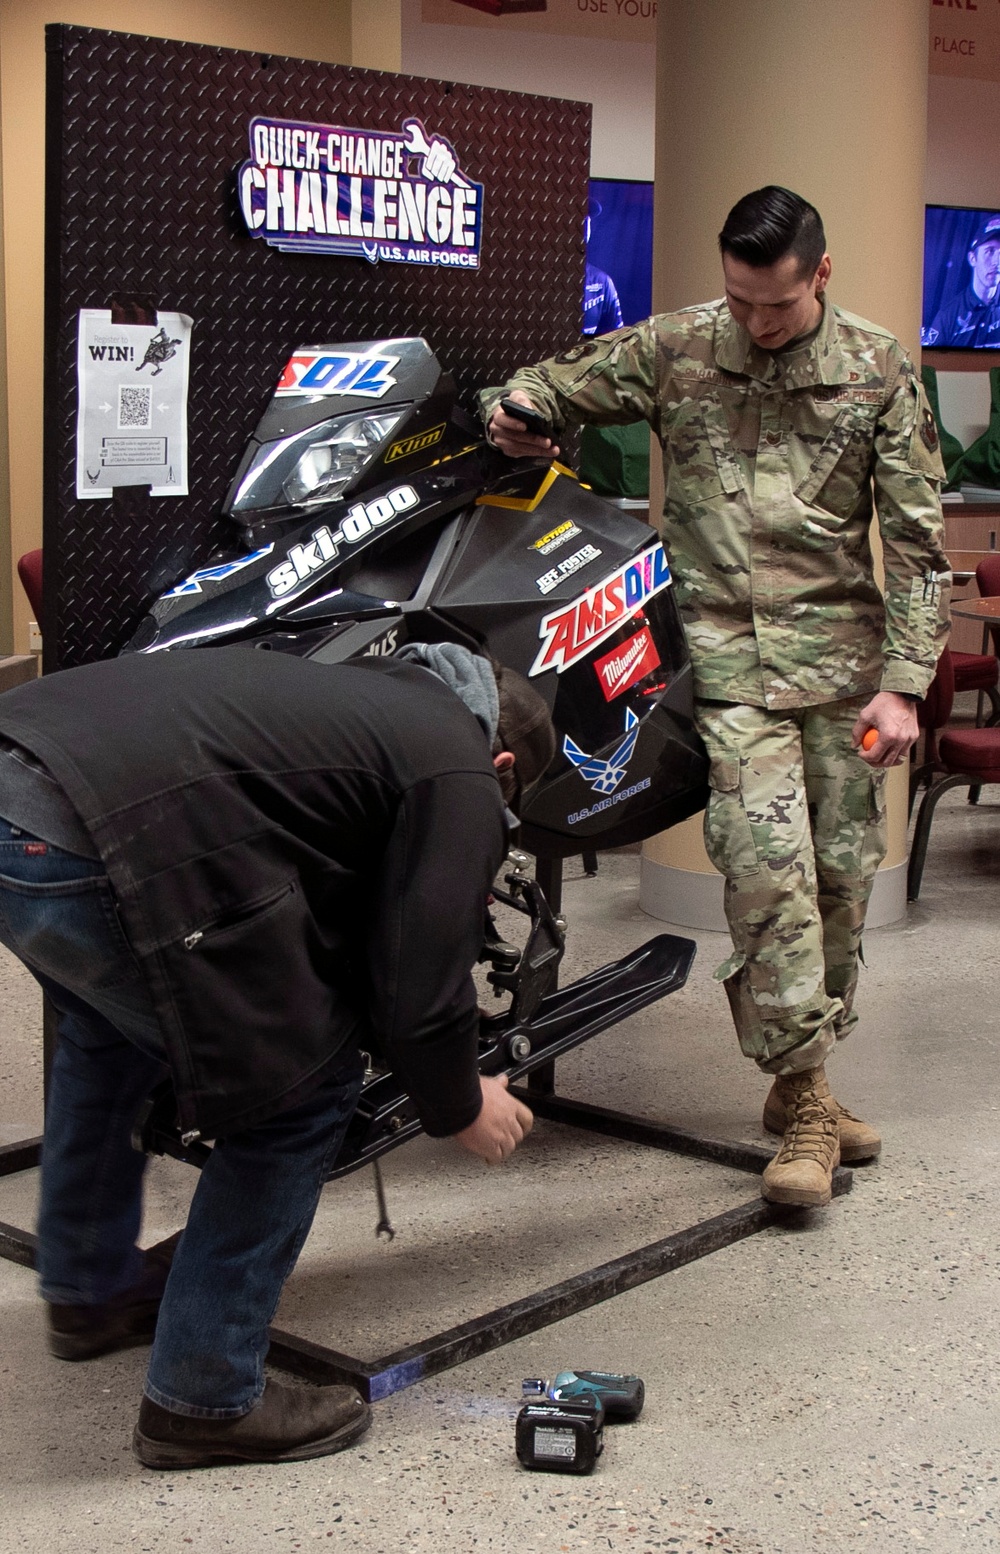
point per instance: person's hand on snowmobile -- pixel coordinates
(500, 1126)
(513, 438)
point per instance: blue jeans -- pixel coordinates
(256, 1197)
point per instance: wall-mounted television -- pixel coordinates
(961, 278)
(619, 284)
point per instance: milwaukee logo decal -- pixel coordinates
(628, 664)
(570, 632)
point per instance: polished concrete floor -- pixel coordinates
(828, 1384)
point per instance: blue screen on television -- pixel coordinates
(619, 250)
(961, 278)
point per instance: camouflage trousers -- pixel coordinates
(796, 823)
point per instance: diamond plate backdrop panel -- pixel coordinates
(144, 139)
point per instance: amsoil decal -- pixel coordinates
(580, 558)
(313, 554)
(571, 631)
(337, 372)
(396, 195)
(555, 538)
(628, 664)
(415, 444)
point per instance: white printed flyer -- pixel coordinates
(132, 383)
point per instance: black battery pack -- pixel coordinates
(560, 1437)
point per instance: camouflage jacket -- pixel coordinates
(771, 462)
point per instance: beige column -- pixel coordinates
(830, 101)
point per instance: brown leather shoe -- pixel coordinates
(289, 1424)
(801, 1172)
(858, 1141)
(84, 1332)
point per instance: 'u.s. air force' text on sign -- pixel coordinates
(393, 195)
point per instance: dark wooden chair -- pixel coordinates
(954, 758)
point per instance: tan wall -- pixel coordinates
(830, 102)
(363, 32)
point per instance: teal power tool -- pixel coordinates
(621, 1397)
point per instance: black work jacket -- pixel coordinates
(301, 854)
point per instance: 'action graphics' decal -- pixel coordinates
(216, 574)
(555, 538)
(575, 563)
(570, 632)
(312, 555)
(337, 372)
(395, 195)
(628, 664)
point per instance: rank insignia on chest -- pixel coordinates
(928, 430)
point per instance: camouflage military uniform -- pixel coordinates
(770, 463)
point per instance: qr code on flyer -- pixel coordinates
(135, 407)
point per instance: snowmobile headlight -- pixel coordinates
(328, 465)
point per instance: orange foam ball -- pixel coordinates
(869, 738)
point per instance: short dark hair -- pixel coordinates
(525, 728)
(771, 222)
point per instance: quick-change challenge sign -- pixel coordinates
(326, 189)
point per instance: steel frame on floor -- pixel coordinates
(401, 1368)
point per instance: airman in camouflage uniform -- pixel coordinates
(773, 453)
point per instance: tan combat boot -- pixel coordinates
(857, 1140)
(801, 1171)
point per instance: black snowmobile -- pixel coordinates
(373, 513)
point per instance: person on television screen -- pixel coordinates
(602, 310)
(783, 422)
(972, 317)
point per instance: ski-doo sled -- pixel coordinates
(369, 511)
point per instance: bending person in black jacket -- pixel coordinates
(249, 867)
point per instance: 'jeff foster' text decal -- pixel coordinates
(628, 664)
(571, 631)
(313, 554)
(575, 563)
(330, 189)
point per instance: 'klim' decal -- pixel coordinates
(416, 443)
(570, 632)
